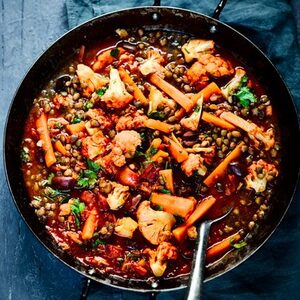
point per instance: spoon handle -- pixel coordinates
(194, 291)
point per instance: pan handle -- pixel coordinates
(219, 9)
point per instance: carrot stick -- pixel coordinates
(168, 178)
(177, 151)
(76, 128)
(238, 121)
(127, 177)
(222, 247)
(154, 144)
(198, 213)
(209, 90)
(89, 226)
(105, 58)
(42, 128)
(159, 154)
(173, 92)
(220, 170)
(158, 125)
(178, 206)
(137, 93)
(60, 148)
(210, 118)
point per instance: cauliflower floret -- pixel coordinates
(194, 48)
(208, 66)
(89, 78)
(192, 122)
(152, 64)
(157, 258)
(131, 121)
(260, 173)
(94, 145)
(155, 226)
(125, 227)
(116, 95)
(192, 164)
(99, 115)
(234, 83)
(157, 100)
(127, 140)
(118, 196)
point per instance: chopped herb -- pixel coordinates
(50, 177)
(37, 198)
(25, 155)
(53, 194)
(88, 105)
(76, 120)
(102, 91)
(77, 221)
(77, 207)
(98, 242)
(87, 179)
(197, 108)
(238, 245)
(165, 191)
(244, 95)
(158, 207)
(167, 165)
(143, 135)
(120, 260)
(139, 154)
(152, 151)
(115, 52)
(58, 125)
(157, 115)
(93, 166)
(244, 81)
(186, 50)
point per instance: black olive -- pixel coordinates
(60, 84)
(236, 169)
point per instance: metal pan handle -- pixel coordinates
(217, 11)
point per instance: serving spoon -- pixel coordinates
(195, 287)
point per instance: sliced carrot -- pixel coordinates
(127, 177)
(60, 148)
(203, 207)
(220, 170)
(158, 125)
(177, 151)
(238, 121)
(159, 154)
(212, 119)
(76, 128)
(211, 89)
(174, 205)
(105, 58)
(42, 128)
(154, 144)
(89, 226)
(179, 113)
(137, 93)
(173, 92)
(222, 247)
(168, 178)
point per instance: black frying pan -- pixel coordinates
(166, 18)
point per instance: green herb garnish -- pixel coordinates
(238, 245)
(25, 155)
(87, 105)
(197, 108)
(165, 191)
(98, 242)
(89, 177)
(244, 94)
(102, 91)
(77, 207)
(93, 166)
(157, 115)
(50, 177)
(58, 125)
(115, 52)
(53, 194)
(37, 198)
(186, 50)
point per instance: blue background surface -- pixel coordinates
(27, 270)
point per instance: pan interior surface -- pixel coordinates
(162, 18)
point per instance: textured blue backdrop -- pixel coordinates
(27, 270)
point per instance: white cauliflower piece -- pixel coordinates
(192, 122)
(154, 225)
(125, 227)
(152, 64)
(158, 258)
(194, 48)
(127, 140)
(118, 196)
(116, 95)
(194, 163)
(259, 174)
(234, 83)
(91, 79)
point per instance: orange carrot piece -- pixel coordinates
(42, 128)
(210, 118)
(137, 93)
(60, 148)
(89, 226)
(168, 178)
(158, 125)
(76, 128)
(127, 177)
(178, 152)
(154, 144)
(174, 205)
(220, 170)
(209, 90)
(173, 92)
(159, 154)
(203, 207)
(238, 121)
(222, 247)
(105, 58)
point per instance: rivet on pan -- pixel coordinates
(154, 285)
(155, 17)
(213, 29)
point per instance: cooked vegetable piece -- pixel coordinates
(125, 227)
(105, 58)
(42, 128)
(177, 151)
(173, 92)
(159, 154)
(234, 83)
(60, 148)
(76, 128)
(174, 205)
(167, 175)
(195, 47)
(192, 122)
(158, 125)
(153, 63)
(203, 207)
(128, 177)
(221, 169)
(210, 118)
(89, 226)
(207, 92)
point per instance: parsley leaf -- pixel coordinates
(53, 194)
(93, 166)
(77, 207)
(151, 151)
(238, 245)
(115, 52)
(165, 191)
(89, 177)
(98, 242)
(245, 96)
(102, 91)
(87, 105)
(156, 115)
